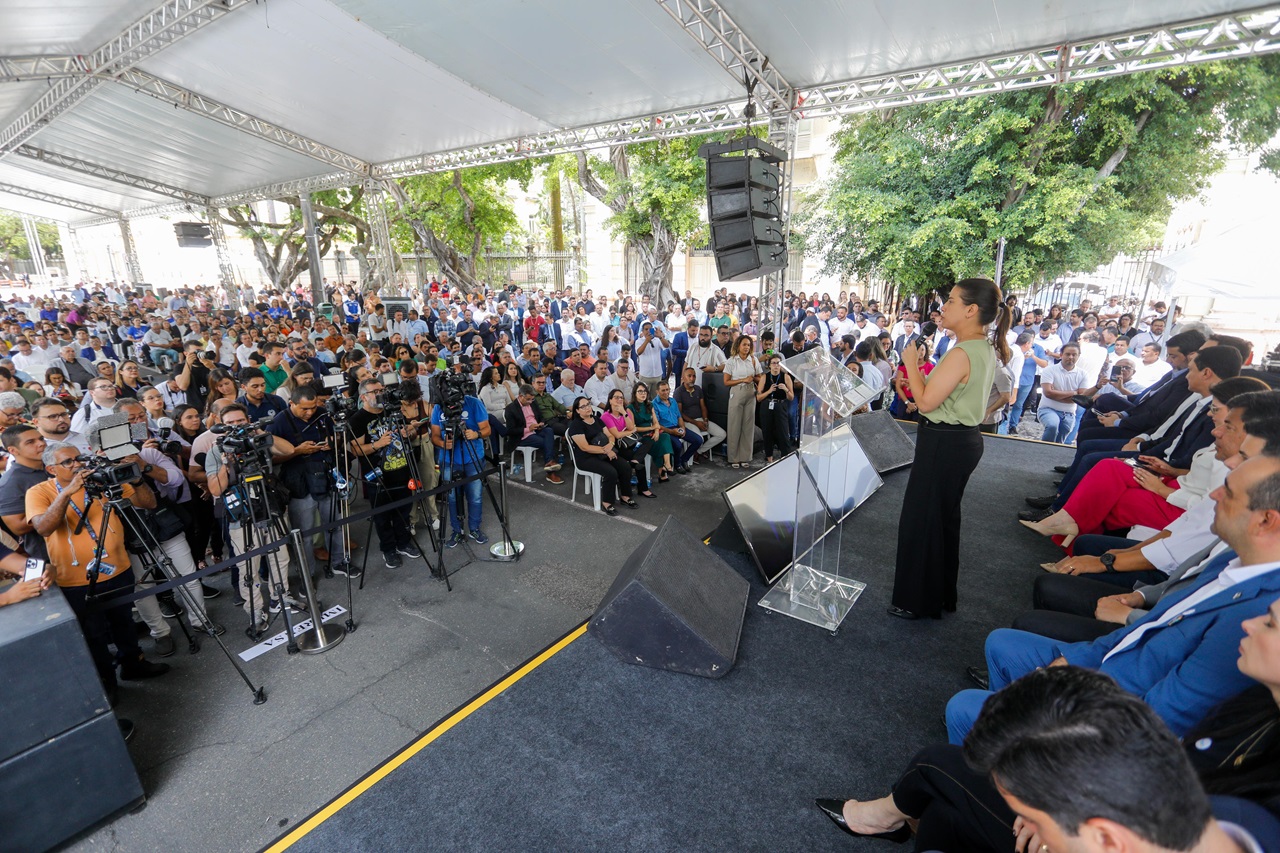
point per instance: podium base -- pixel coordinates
(812, 596)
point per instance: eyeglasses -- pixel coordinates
(58, 417)
(68, 463)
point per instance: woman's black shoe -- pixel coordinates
(901, 614)
(609, 510)
(834, 809)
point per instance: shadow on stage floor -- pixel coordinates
(587, 752)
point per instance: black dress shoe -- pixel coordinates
(142, 668)
(979, 676)
(1041, 502)
(901, 614)
(1061, 469)
(1035, 514)
(834, 809)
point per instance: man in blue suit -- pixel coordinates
(1180, 658)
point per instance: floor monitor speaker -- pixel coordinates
(675, 606)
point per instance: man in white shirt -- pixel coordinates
(1059, 383)
(1153, 367)
(842, 325)
(704, 356)
(1154, 335)
(649, 345)
(622, 377)
(28, 360)
(600, 385)
(101, 398)
(567, 390)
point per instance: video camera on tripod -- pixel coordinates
(248, 446)
(340, 406)
(113, 439)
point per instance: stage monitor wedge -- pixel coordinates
(675, 605)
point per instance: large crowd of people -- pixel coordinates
(1168, 515)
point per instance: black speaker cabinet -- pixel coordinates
(63, 764)
(675, 606)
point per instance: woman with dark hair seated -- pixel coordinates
(630, 443)
(1235, 752)
(593, 450)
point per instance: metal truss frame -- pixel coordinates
(171, 93)
(63, 201)
(172, 21)
(1206, 39)
(96, 170)
(18, 69)
(226, 269)
(711, 26)
(131, 260)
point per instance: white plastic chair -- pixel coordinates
(527, 452)
(590, 480)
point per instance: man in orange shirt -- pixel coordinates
(71, 523)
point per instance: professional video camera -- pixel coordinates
(169, 446)
(113, 438)
(104, 477)
(247, 446)
(454, 389)
(339, 406)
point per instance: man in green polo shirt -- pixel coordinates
(272, 369)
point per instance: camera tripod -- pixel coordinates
(454, 428)
(158, 564)
(397, 422)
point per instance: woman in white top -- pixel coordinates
(740, 374)
(495, 395)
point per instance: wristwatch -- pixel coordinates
(1108, 560)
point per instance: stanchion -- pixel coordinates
(319, 637)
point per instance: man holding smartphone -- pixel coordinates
(33, 576)
(306, 471)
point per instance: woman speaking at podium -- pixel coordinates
(952, 401)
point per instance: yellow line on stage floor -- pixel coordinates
(421, 743)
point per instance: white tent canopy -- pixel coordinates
(1236, 263)
(124, 107)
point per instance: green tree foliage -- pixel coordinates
(656, 191)
(454, 215)
(1069, 175)
(13, 239)
(281, 247)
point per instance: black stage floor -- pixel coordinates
(584, 751)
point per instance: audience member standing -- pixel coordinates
(740, 374)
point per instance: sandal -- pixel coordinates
(734, 465)
(663, 477)
(608, 510)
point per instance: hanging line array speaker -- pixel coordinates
(744, 207)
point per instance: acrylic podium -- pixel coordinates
(834, 477)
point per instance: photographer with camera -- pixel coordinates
(459, 426)
(382, 437)
(193, 376)
(167, 523)
(69, 517)
(306, 473)
(242, 451)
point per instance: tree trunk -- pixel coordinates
(459, 269)
(656, 253)
(1116, 158)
